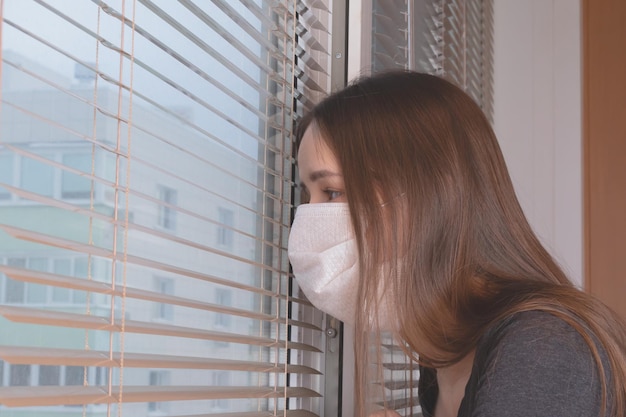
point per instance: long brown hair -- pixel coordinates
(460, 253)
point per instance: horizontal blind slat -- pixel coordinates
(73, 357)
(113, 81)
(317, 4)
(310, 20)
(77, 395)
(61, 281)
(309, 61)
(309, 40)
(71, 320)
(84, 248)
(277, 413)
(309, 81)
(217, 27)
(92, 214)
(247, 27)
(258, 12)
(139, 127)
(193, 38)
(264, 271)
(400, 385)
(399, 366)
(81, 284)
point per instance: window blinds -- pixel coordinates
(452, 39)
(145, 197)
(449, 38)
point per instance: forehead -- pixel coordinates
(314, 154)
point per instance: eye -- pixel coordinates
(333, 194)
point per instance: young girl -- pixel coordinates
(413, 227)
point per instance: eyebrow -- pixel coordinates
(322, 173)
(316, 175)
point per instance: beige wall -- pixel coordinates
(537, 117)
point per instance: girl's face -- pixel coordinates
(320, 174)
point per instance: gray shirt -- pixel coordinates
(532, 364)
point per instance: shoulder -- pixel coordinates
(533, 363)
(531, 330)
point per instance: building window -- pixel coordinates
(6, 175)
(37, 177)
(37, 293)
(221, 379)
(223, 297)
(19, 375)
(164, 311)
(49, 375)
(74, 185)
(81, 270)
(14, 290)
(167, 213)
(158, 378)
(74, 375)
(102, 376)
(44, 178)
(225, 231)
(19, 292)
(61, 267)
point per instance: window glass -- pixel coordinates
(14, 290)
(167, 213)
(222, 379)
(49, 375)
(102, 375)
(19, 375)
(74, 375)
(223, 297)
(38, 264)
(80, 271)
(158, 378)
(74, 185)
(36, 293)
(61, 267)
(184, 111)
(164, 311)
(225, 232)
(37, 176)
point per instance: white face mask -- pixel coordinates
(324, 257)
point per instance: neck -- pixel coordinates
(452, 381)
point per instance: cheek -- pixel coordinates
(317, 197)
